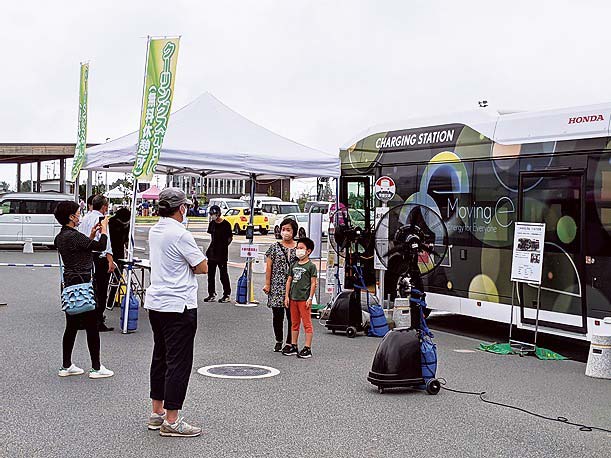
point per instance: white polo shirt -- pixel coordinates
(172, 253)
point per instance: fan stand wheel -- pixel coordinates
(350, 331)
(380, 390)
(333, 331)
(433, 386)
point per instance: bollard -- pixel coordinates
(401, 313)
(28, 247)
(599, 358)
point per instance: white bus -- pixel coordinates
(481, 173)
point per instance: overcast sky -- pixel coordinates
(318, 72)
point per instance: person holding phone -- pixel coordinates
(103, 261)
(76, 253)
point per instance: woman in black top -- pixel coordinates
(75, 250)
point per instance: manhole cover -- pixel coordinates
(239, 371)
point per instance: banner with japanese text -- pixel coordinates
(81, 140)
(156, 104)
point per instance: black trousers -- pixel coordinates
(279, 313)
(101, 278)
(173, 335)
(88, 322)
(222, 265)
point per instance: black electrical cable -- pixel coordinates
(558, 419)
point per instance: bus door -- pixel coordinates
(556, 198)
(356, 193)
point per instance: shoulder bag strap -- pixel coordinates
(286, 256)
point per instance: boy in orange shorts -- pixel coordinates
(300, 288)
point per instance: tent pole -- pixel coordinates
(253, 179)
(130, 258)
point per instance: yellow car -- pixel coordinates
(239, 218)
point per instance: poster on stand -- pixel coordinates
(381, 237)
(527, 258)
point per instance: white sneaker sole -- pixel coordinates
(95, 376)
(68, 374)
(166, 434)
(154, 427)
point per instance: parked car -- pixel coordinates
(278, 210)
(227, 203)
(302, 222)
(317, 206)
(260, 199)
(239, 218)
(29, 215)
(202, 210)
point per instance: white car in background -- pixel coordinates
(277, 211)
(302, 222)
(29, 215)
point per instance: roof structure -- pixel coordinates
(587, 121)
(208, 138)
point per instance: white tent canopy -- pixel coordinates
(117, 193)
(207, 137)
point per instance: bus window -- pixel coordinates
(406, 182)
(494, 205)
(446, 187)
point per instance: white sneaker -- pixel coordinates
(102, 373)
(72, 370)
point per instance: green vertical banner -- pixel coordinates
(156, 104)
(81, 141)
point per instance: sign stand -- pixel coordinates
(384, 190)
(315, 221)
(526, 267)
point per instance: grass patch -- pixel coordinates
(154, 219)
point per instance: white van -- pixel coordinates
(278, 210)
(260, 199)
(29, 215)
(226, 204)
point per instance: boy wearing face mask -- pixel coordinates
(218, 254)
(300, 288)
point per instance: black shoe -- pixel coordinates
(225, 299)
(290, 350)
(104, 328)
(278, 346)
(210, 298)
(305, 353)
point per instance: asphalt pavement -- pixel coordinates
(318, 407)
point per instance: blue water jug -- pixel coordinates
(241, 296)
(132, 314)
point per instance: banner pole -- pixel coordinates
(130, 258)
(251, 298)
(132, 225)
(76, 186)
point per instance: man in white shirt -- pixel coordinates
(102, 261)
(171, 300)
